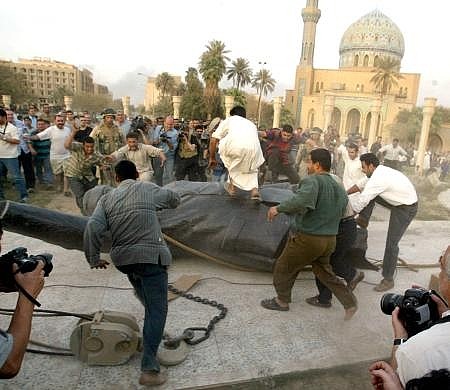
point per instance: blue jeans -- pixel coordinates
(43, 170)
(168, 176)
(150, 285)
(12, 165)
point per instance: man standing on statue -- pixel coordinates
(240, 151)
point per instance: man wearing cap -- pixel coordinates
(240, 152)
(108, 138)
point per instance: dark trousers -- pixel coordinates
(187, 166)
(399, 220)
(79, 187)
(158, 171)
(277, 167)
(26, 162)
(304, 249)
(394, 164)
(339, 263)
(150, 285)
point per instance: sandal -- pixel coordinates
(272, 304)
(228, 188)
(314, 301)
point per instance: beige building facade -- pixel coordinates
(152, 94)
(43, 76)
(345, 98)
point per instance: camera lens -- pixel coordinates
(389, 302)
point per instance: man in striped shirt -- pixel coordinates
(78, 167)
(138, 250)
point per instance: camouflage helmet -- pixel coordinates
(109, 111)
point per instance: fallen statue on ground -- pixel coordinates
(234, 231)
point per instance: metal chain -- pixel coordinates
(189, 333)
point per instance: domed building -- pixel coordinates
(345, 98)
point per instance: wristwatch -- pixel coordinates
(399, 341)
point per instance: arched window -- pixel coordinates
(362, 87)
(321, 85)
(401, 92)
(356, 60)
(317, 87)
(376, 61)
(357, 87)
(406, 92)
(366, 60)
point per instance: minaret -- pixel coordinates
(310, 15)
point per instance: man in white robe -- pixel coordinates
(240, 151)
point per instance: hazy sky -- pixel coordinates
(114, 38)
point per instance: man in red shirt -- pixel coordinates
(279, 145)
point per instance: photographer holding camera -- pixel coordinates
(186, 158)
(421, 325)
(14, 341)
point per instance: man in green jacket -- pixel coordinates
(316, 209)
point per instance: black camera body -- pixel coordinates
(418, 311)
(163, 137)
(25, 263)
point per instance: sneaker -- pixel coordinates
(314, 301)
(354, 282)
(30, 190)
(24, 199)
(68, 194)
(384, 285)
(153, 378)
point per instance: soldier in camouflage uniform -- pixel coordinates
(108, 138)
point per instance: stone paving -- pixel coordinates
(249, 343)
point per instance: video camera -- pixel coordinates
(137, 123)
(25, 263)
(418, 311)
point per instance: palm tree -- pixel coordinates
(165, 83)
(387, 75)
(212, 67)
(264, 83)
(240, 73)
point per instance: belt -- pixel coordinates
(346, 219)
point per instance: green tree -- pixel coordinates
(240, 98)
(264, 83)
(212, 67)
(286, 117)
(13, 84)
(92, 103)
(386, 75)
(408, 124)
(57, 96)
(163, 107)
(240, 73)
(165, 83)
(192, 104)
(180, 89)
